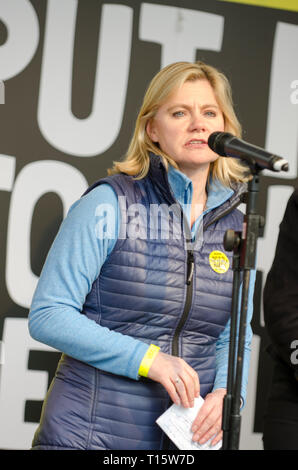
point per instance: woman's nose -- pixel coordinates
(197, 122)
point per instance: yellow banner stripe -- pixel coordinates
(291, 5)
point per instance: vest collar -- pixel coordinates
(175, 185)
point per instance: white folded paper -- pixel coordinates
(177, 421)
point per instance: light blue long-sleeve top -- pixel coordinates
(73, 264)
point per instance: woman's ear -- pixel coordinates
(151, 131)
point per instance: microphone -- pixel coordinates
(227, 145)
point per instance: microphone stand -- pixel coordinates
(243, 244)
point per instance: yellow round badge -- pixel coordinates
(219, 262)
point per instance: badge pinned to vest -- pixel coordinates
(219, 262)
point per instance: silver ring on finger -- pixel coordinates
(177, 380)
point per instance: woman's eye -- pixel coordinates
(210, 113)
(178, 113)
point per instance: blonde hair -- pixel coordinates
(173, 76)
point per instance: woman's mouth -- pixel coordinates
(196, 143)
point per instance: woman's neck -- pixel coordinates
(199, 178)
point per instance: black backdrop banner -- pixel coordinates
(72, 77)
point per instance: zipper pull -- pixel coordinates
(190, 267)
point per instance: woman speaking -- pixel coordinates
(136, 289)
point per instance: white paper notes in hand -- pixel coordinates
(177, 421)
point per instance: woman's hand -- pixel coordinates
(209, 419)
(179, 379)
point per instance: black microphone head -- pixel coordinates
(217, 141)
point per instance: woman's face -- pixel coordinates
(184, 122)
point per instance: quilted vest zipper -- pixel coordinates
(188, 301)
(166, 443)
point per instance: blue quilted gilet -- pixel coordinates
(157, 287)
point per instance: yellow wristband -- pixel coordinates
(148, 359)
